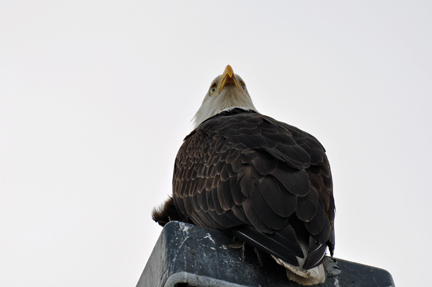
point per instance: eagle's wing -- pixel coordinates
(241, 169)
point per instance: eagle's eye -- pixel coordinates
(243, 85)
(212, 89)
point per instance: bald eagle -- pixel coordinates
(264, 181)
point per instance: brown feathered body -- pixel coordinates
(243, 168)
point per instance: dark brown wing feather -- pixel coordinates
(242, 168)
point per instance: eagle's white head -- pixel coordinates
(226, 92)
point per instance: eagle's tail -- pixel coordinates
(312, 276)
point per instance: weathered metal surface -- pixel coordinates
(188, 255)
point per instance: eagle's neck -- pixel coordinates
(200, 118)
(229, 112)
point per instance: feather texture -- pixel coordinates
(242, 169)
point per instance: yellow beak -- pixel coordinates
(228, 77)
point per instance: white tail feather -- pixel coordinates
(312, 276)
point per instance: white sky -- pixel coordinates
(96, 97)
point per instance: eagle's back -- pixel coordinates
(256, 176)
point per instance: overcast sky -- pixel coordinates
(97, 96)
